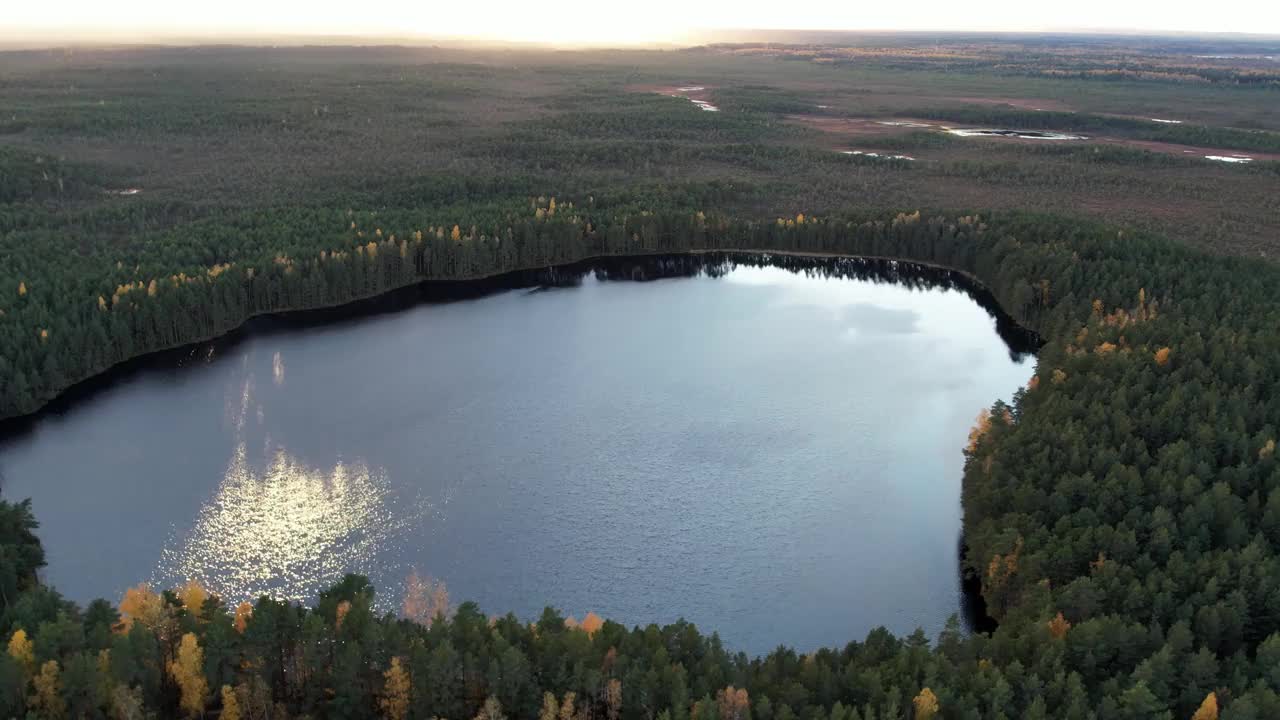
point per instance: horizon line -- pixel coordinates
(53, 39)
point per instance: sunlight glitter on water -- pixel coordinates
(279, 528)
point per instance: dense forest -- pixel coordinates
(1121, 515)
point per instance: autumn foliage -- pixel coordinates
(425, 599)
(193, 596)
(926, 705)
(244, 611)
(230, 704)
(982, 426)
(143, 605)
(1208, 709)
(1059, 626)
(22, 650)
(395, 692)
(592, 622)
(48, 696)
(734, 703)
(187, 670)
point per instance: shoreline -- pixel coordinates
(428, 290)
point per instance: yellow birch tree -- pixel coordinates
(395, 692)
(187, 671)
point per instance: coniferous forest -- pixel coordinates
(1121, 514)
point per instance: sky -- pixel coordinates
(602, 22)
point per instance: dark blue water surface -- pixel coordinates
(773, 456)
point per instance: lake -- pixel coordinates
(773, 455)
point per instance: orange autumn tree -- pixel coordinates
(592, 622)
(980, 428)
(244, 611)
(1059, 626)
(1208, 709)
(1162, 356)
(425, 599)
(141, 604)
(733, 703)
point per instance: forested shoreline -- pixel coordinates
(650, 265)
(1122, 514)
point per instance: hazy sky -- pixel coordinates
(603, 21)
